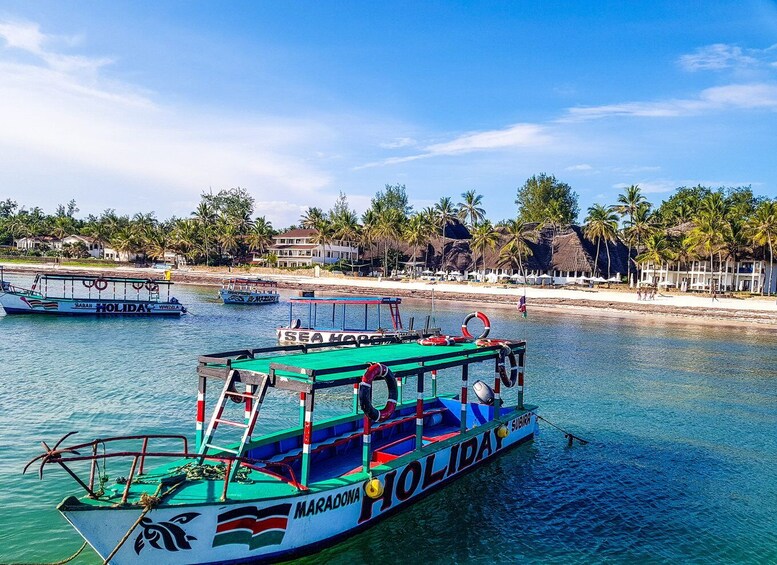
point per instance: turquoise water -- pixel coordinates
(682, 464)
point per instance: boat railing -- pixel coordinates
(98, 454)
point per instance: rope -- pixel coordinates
(568, 435)
(68, 560)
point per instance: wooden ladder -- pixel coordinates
(230, 392)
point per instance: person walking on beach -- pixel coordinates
(639, 293)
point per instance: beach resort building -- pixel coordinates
(302, 248)
(44, 243)
(745, 275)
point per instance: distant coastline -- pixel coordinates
(753, 312)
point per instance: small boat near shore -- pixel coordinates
(86, 294)
(241, 497)
(249, 291)
(347, 318)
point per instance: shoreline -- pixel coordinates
(683, 308)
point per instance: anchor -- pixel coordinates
(54, 455)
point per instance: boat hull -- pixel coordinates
(271, 530)
(307, 335)
(30, 304)
(234, 297)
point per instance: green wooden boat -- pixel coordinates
(264, 498)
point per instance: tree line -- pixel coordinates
(692, 223)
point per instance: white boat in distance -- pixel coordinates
(96, 295)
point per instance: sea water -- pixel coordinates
(681, 420)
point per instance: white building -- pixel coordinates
(37, 242)
(296, 248)
(746, 275)
(93, 246)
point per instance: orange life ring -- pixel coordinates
(377, 371)
(100, 284)
(443, 340)
(151, 286)
(480, 316)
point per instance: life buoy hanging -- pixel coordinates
(100, 284)
(137, 285)
(151, 286)
(480, 316)
(377, 371)
(506, 353)
(88, 283)
(491, 342)
(443, 340)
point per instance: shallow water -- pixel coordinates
(682, 464)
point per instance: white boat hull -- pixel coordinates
(29, 304)
(262, 531)
(306, 335)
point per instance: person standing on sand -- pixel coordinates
(639, 293)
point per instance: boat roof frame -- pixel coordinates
(346, 300)
(108, 278)
(285, 375)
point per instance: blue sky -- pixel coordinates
(141, 106)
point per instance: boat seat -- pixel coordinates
(345, 437)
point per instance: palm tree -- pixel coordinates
(416, 233)
(658, 250)
(324, 235)
(470, 208)
(484, 237)
(520, 236)
(601, 224)
(640, 226)
(444, 214)
(388, 228)
(229, 239)
(205, 216)
(711, 230)
(260, 236)
(627, 205)
(762, 231)
(311, 218)
(125, 240)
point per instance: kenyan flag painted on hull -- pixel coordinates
(253, 527)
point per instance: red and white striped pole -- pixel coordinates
(306, 400)
(521, 368)
(419, 412)
(463, 397)
(200, 422)
(249, 402)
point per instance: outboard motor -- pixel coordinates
(484, 393)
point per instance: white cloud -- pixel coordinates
(732, 96)
(717, 57)
(580, 167)
(514, 136)
(62, 109)
(399, 142)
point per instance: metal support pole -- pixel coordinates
(399, 391)
(521, 369)
(463, 397)
(355, 398)
(307, 438)
(366, 445)
(419, 412)
(199, 425)
(434, 384)
(249, 402)
(301, 408)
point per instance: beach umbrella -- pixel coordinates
(515, 276)
(614, 279)
(544, 277)
(455, 273)
(427, 272)
(440, 273)
(599, 279)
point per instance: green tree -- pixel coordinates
(470, 209)
(484, 237)
(601, 223)
(444, 213)
(658, 250)
(762, 231)
(417, 232)
(543, 199)
(627, 205)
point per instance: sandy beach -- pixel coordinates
(594, 301)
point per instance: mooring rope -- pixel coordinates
(68, 560)
(568, 435)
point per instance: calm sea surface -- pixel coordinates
(682, 419)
